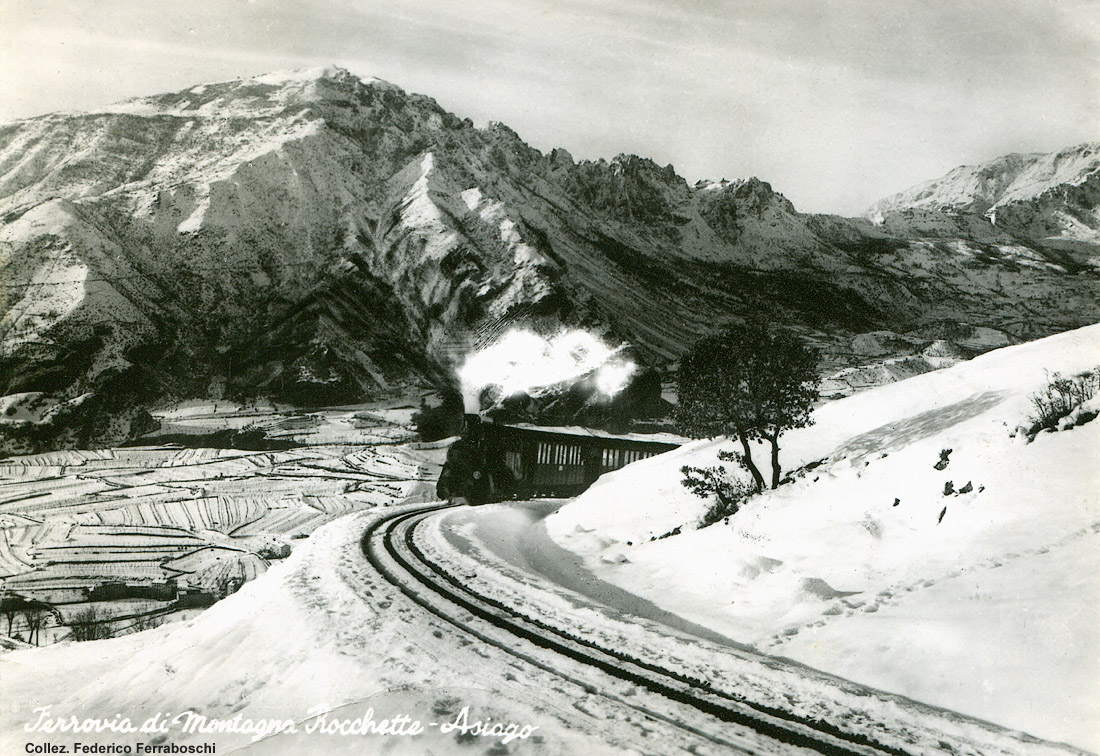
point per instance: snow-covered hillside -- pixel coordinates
(1011, 178)
(308, 643)
(1051, 198)
(974, 586)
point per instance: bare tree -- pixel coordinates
(35, 619)
(10, 606)
(90, 624)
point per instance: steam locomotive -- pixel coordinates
(496, 462)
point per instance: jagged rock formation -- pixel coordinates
(320, 239)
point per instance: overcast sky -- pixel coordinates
(835, 103)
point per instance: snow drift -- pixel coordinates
(972, 586)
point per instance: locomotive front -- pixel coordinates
(474, 472)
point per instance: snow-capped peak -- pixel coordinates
(1009, 178)
(256, 96)
(299, 75)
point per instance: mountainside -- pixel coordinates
(319, 239)
(1050, 200)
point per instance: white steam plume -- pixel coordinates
(522, 360)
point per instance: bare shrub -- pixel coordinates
(146, 622)
(1060, 397)
(716, 481)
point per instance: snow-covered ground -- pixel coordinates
(299, 638)
(318, 642)
(988, 607)
(986, 602)
(92, 530)
(503, 552)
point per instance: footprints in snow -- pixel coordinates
(844, 606)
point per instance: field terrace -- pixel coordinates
(158, 531)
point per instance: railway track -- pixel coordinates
(738, 724)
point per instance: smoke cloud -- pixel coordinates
(524, 361)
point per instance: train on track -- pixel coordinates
(496, 462)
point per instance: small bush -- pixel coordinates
(1060, 397)
(146, 622)
(716, 481)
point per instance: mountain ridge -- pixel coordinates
(1010, 177)
(1048, 198)
(324, 239)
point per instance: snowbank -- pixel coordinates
(316, 639)
(981, 599)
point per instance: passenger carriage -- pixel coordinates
(494, 461)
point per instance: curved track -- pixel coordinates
(390, 548)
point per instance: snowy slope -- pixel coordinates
(1011, 178)
(319, 636)
(985, 601)
(1052, 199)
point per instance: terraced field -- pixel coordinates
(164, 521)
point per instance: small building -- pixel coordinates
(115, 590)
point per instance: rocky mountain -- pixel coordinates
(1049, 201)
(318, 238)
